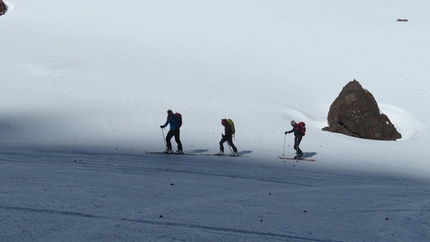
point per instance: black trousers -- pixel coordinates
(169, 136)
(229, 139)
(297, 140)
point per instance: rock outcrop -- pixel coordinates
(355, 113)
(3, 8)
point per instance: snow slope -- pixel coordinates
(50, 196)
(97, 77)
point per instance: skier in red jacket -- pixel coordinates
(299, 130)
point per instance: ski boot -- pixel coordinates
(220, 153)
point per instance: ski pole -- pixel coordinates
(231, 151)
(164, 138)
(285, 140)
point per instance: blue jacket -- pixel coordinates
(174, 122)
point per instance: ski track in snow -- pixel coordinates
(194, 227)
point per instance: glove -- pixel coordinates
(286, 132)
(161, 126)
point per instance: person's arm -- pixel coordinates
(165, 124)
(288, 132)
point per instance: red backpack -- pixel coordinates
(301, 127)
(179, 116)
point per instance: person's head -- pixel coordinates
(223, 121)
(293, 123)
(169, 113)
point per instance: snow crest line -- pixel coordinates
(170, 224)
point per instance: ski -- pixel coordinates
(163, 153)
(296, 159)
(231, 155)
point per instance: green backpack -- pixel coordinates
(233, 130)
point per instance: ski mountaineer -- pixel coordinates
(227, 136)
(174, 119)
(298, 135)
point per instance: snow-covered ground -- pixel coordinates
(86, 84)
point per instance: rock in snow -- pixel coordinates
(355, 113)
(3, 8)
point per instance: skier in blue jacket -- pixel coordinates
(175, 123)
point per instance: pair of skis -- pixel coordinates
(283, 157)
(296, 159)
(230, 155)
(166, 153)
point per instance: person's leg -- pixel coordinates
(297, 141)
(230, 142)
(178, 139)
(221, 143)
(168, 138)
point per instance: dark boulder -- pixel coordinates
(3, 8)
(355, 113)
